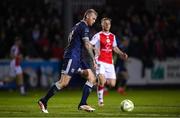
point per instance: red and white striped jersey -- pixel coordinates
(104, 42)
(15, 51)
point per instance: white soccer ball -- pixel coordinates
(127, 105)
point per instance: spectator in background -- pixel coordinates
(44, 46)
(159, 48)
(15, 64)
(36, 34)
(57, 51)
(3, 44)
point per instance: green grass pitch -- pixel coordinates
(148, 103)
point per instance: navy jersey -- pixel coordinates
(73, 55)
(76, 45)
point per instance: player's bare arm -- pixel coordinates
(123, 55)
(90, 48)
(96, 51)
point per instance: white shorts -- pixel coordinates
(14, 70)
(106, 69)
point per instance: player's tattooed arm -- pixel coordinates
(89, 49)
(123, 55)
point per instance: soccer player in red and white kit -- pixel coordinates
(105, 43)
(15, 67)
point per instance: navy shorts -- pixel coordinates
(120, 66)
(71, 66)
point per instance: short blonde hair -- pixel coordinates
(89, 11)
(105, 18)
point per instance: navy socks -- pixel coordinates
(50, 93)
(86, 91)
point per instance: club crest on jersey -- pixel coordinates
(72, 70)
(107, 40)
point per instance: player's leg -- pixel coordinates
(15, 73)
(63, 82)
(122, 76)
(100, 89)
(20, 82)
(19, 76)
(101, 82)
(111, 82)
(122, 81)
(110, 77)
(86, 91)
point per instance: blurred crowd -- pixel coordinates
(152, 35)
(37, 24)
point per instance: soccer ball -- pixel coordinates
(127, 105)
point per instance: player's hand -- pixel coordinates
(124, 56)
(95, 64)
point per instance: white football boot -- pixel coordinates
(43, 107)
(86, 108)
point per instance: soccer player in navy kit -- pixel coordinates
(121, 71)
(74, 63)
